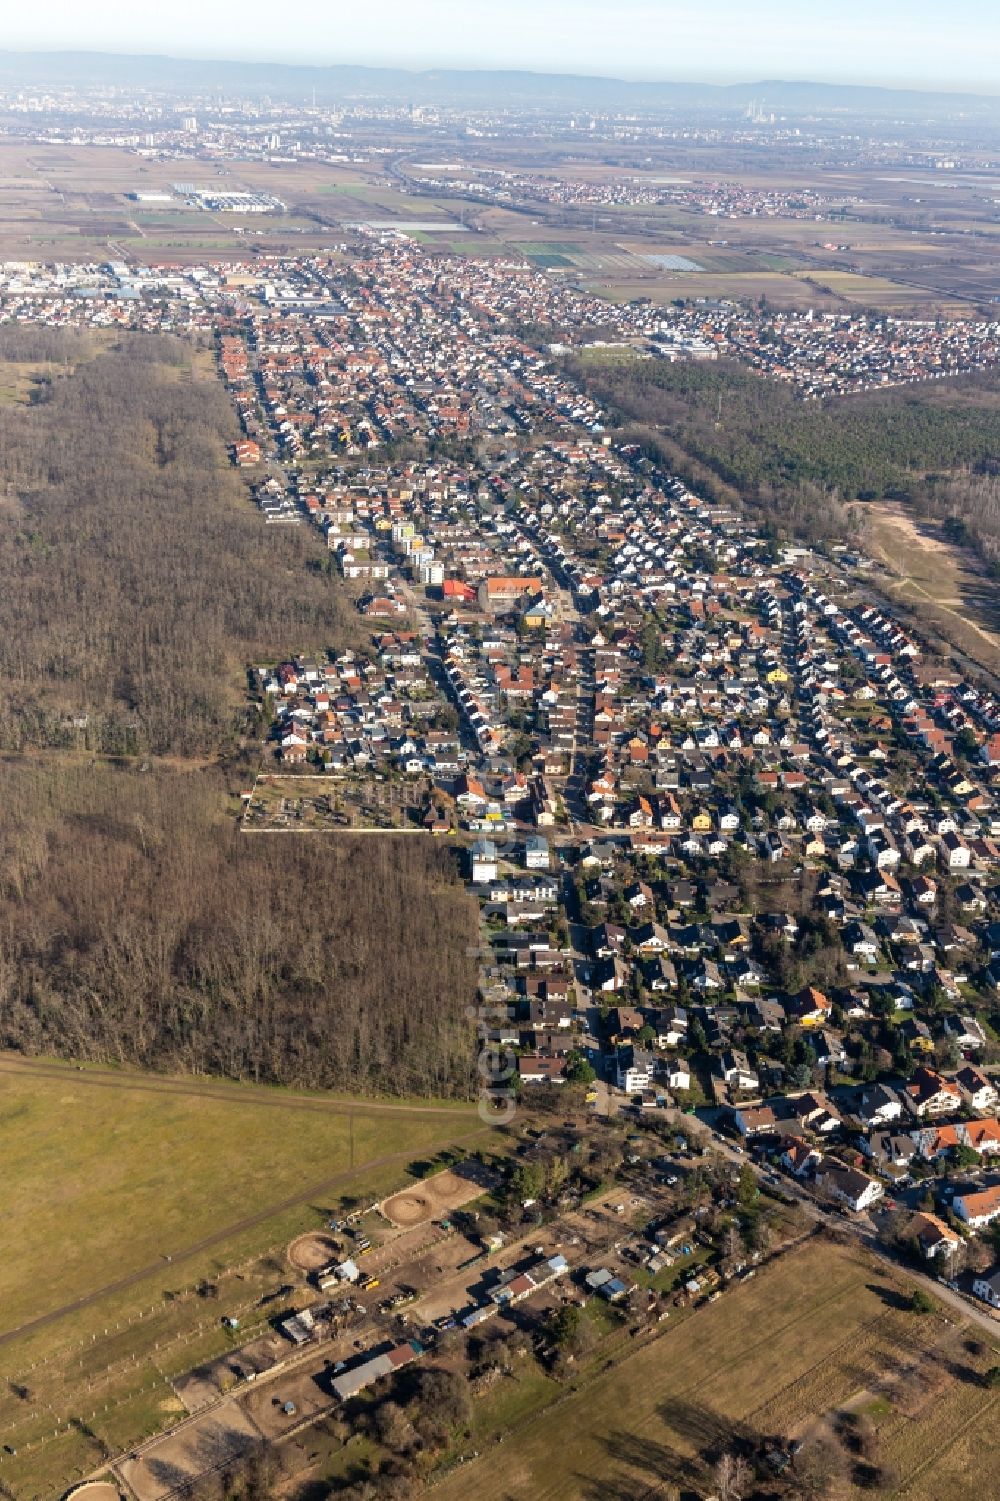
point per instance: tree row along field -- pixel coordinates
(136, 584)
(803, 463)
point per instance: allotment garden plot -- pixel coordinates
(321, 804)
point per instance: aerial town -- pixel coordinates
(316, 317)
(722, 200)
(733, 829)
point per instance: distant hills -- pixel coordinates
(342, 82)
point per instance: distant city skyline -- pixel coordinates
(896, 43)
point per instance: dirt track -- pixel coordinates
(309, 1252)
(435, 1195)
(236, 1094)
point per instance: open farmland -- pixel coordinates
(904, 246)
(820, 1330)
(781, 289)
(69, 204)
(62, 203)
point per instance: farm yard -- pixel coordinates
(218, 1437)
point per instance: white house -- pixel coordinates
(634, 1069)
(976, 1087)
(978, 1208)
(848, 1184)
(988, 1288)
(485, 866)
(934, 1236)
(536, 852)
(677, 1073)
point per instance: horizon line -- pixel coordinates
(423, 70)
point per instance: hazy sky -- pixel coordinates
(921, 42)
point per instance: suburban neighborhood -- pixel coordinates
(731, 827)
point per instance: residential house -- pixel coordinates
(987, 1287)
(634, 1068)
(935, 1238)
(848, 1184)
(978, 1207)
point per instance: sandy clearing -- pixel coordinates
(202, 1445)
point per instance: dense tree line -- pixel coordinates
(136, 581)
(137, 925)
(803, 463)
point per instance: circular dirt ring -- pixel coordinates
(310, 1252)
(409, 1208)
(438, 1195)
(95, 1490)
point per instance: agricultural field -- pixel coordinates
(58, 203)
(69, 204)
(821, 1344)
(897, 252)
(874, 292)
(781, 289)
(62, 203)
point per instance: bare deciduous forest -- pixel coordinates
(136, 582)
(136, 924)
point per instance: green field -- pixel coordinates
(613, 355)
(820, 1330)
(533, 248)
(123, 1196)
